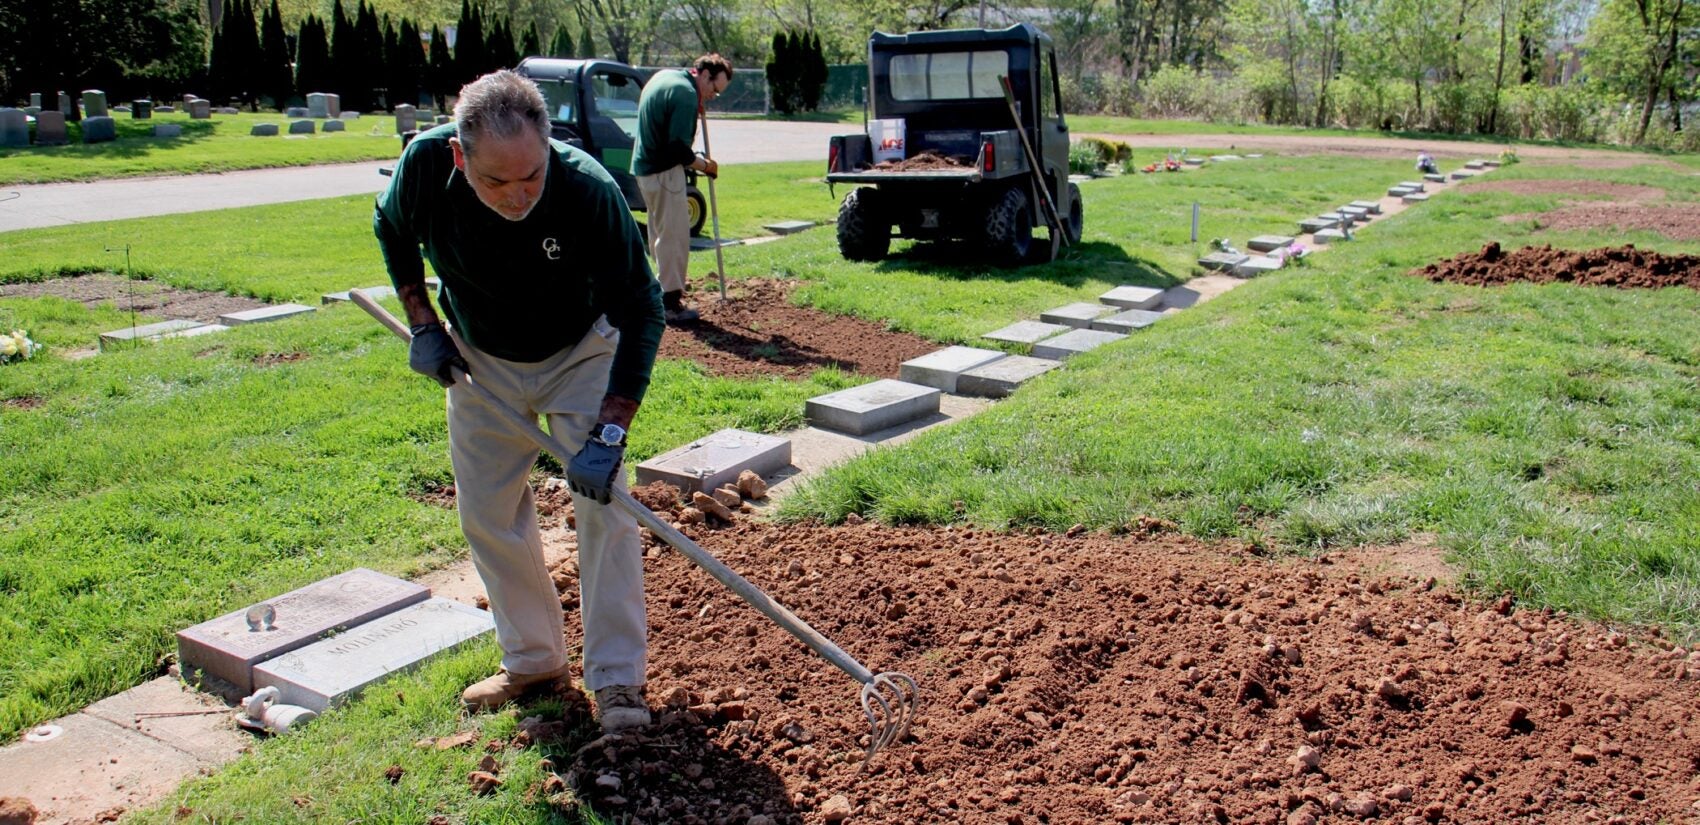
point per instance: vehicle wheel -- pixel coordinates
(1009, 228)
(1075, 222)
(864, 232)
(697, 208)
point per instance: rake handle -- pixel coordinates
(714, 211)
(740, 586)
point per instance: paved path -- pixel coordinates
(57, 204)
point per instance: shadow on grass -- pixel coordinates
(135, 140)
(1074, 266)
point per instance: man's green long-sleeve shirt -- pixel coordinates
(667, 123)
(525, 290)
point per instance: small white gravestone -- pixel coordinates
(14, 128)
(94, 103)
(406, 118)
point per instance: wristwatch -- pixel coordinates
(609, 435)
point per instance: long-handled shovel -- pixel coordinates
(714, 212)
(889, 699)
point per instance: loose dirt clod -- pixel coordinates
(1624, 266)
(16, 810)
(923, 162)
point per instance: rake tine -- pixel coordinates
(896, 695)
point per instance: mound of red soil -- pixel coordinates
(146, 297)
(758, 331)
(1109, 679)
(923, 162)
(1623, 266)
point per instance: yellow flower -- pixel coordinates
(8, 346)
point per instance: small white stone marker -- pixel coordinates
(1074, 342)
(1414, 197)
(1000, 378)
(1222, 261)
(1025, 332)
(1490, 164)
(1269, 243)
(1259, 265)
(1412, 185)
(1356, 213)
(715, 460)
(788, 227)
(1476, 164)
(1078, 315)
(229, 646)
(376, 293)
(192, 332)
(1463, 175)
(1127, 322)
(1193, 161)
(274, 312)
(1328, 236)
(941, 369)
(1132, 297)
(1374, 207)
(872, 407)
(330, 671)
(699, 244)
(1434, 177)
(1400, 191)
(147, 332)
(1312, 225)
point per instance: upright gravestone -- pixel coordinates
(32, 111)
(301, 127)
(333, 105)
(141, 109)
(65, 104)
(318, 105)
(186, 98)
(35, 99)
(406, 118)
(50, 129)
(200, 109)
(335, 126)
(94, 103)
(349, 115)
(99, 129)
(263, 130)
(441, 119)
(165, 109)
(14, 128)
(296, 111)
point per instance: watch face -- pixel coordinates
(612, 434)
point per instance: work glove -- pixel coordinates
(591, 473)
(433, 352)
(709, 166)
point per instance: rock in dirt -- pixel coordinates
(394, 773)
(707, 503)
(459, 740)
(16, 810)
(1305, 759)
(752, 485)
(728, 495)
(836, 809)
(691, 515)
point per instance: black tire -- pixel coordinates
(1009, 228)
(1074, 224)
(697, 208)
(864, 232)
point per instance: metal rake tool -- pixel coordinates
(889, 699)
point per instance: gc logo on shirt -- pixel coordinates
(552, 249)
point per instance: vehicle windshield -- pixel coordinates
(617, 98)
(948, 75)
(561, 96)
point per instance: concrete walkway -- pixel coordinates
(58, 204)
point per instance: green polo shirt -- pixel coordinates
(525, 290)
(667, 123)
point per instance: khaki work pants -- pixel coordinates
(499, 515)
(669, 225)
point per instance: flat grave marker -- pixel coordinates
(1074, 342)
(1001, 377)
(707, 463)
(1025, 332)
(1270, 243)
(1128, 321)
(1078, 315)
(942, 368)
(1132, 297)
(260, 315)
(872, 407)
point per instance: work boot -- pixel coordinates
(505, 687)
(621, 707)
(675, 312)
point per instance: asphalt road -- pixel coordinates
(57, 204)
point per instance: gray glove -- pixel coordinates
(432, 352)
(591, 473)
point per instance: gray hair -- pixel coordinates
(500, 105)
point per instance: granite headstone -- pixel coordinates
(94, 103)
(50, 129)
(99, 129)
(14, 128)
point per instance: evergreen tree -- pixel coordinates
(439, 77)
(469, 46)
(532, 45)
(278, 82)
(407, 68)
(813, 72)
(586, 43)
(370, 35)
(562, 45)
(345, 56)
(252, 66)
(503, 54)
(218, 64)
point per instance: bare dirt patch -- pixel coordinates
(23, 402)
(1677, 221)
(1623, 266)
(1125, 679)
(1586, 189)
(145, 297)
(272, 359)
(758, 331)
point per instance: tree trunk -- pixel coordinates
(1498, 75)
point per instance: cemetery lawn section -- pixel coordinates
(1546, 437)
(221, 144)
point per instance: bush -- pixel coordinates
(1171, 92)
(1108, 94)
(1224, 99)
(1083, 157)
(1268, 94)
(1571, 113)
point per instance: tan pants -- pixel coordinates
(669, 225)
(499, 516)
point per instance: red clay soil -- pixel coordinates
(923, 162)
(758, 331)
(146, 297)
(1623, 266)
(1141, 678)
(1677, 221)
(1587, 189)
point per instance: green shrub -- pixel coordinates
(1171, 92)
(1084, 157)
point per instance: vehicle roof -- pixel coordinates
(1020, 33)
(552, 68)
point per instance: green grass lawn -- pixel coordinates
(221, 144)
(1546, 435)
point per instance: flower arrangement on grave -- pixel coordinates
(17, 347)
(1292, 255)
(1223, 245)
(1508, 157)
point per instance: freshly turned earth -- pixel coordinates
(1144, 677)
(1623, 266)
